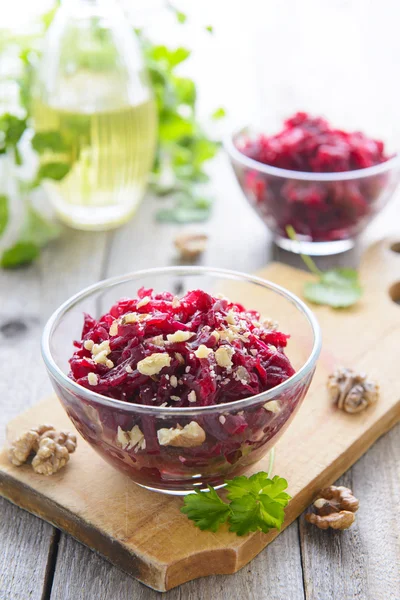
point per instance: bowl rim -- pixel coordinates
(82, 392)
(238, 156)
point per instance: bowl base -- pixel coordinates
(314, 248)
(201, 486)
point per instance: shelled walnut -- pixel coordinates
(334, 508)
(351, 391)
(46, 449)
(191, 245)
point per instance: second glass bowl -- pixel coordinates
(237, 434)
(327, 210)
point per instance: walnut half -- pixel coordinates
(46, 449)
(334, 508)
(351, 391)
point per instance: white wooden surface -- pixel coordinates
(237, 68)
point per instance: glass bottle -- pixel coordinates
(94, 108)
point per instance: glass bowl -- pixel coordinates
(237, 434)
(327, 210)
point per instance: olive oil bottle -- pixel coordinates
(94, 115)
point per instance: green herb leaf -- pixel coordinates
(11, 130)
(332, 290)
(44, 141)
(52, 170)
(210, 29)
(338, 288)
(206, 509)
(257, 504)
(186, 209)
(4, 213)
(19, 254)
(219, 113)
(255, 514)
(169, 58)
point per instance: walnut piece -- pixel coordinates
(334, 508)
(182, 437)
(26, 444)
(50, 457)
(45, 448)
(191, 245)
(153, 364)
(351, 391)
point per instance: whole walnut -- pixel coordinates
(334, 508)
(46, 449)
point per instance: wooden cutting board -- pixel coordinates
(144, 533)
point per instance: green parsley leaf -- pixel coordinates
(11, 130)
(4, 213)
(19, 254)
(210, 29)
(219, 113)
(257, 504)
(206, 509)
(338, 288)
(251, 513)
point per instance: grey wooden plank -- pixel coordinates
(362, 563)
(83, 575)
(27, 544)
(28, 296)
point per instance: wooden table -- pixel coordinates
(38, 562)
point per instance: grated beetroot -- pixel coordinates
(234, 439)
(318, 210)
(258, 359)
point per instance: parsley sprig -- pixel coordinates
(338, 288)
(256, 504)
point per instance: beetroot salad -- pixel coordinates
(198, 350)
(319, 209)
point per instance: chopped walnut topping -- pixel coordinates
(203, 352)
(192, 396)
(153, 364)
(242, 375)
(179, 336)
(223, 356)
(114, 328)
(273, 406)
(173, 381)
(179, 358)
(129, 318)
(143, 302)
(231, 317)
(191, 245)
(109, 363)
(222, 419)
(93, 379)
(88, 345)
(128, 369)
(131, 439)
(182, 437)
(176, 302)
(157, 340)
(175, 398)
(334, 508)
(351, 391)
(101, 351)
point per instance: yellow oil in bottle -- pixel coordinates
(107, 155)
